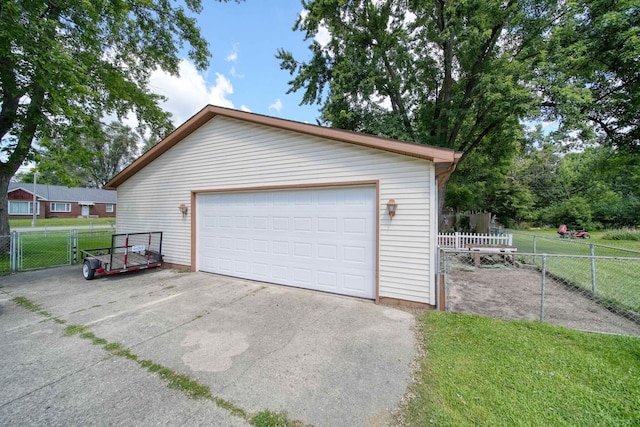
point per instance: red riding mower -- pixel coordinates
(573, 234)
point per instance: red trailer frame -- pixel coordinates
(128, 252)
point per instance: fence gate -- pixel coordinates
(38, 249)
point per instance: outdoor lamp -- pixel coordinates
(183, 209)
(391, 207)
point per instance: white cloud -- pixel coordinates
(323, 36)
(233, 56)
(245, 108)
(382, 101)
(277, 105)
(235, 74)
(190, 92)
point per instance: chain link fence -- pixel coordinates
(29, 250)
(590, 293)
(537, 244)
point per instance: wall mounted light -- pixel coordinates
(184, 210)
(391, 207)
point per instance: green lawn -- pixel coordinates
(617, 281)
(478, 371)
(549, 243)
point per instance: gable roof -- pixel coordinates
(59, 193)
(444, 159)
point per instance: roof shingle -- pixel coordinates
(59, 193)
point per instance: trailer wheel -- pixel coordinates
(87, 271)
(586, 236)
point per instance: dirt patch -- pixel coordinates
(514, 292)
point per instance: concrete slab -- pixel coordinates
(326, 360)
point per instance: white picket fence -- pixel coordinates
(463, 240)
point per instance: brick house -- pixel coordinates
(55, 201)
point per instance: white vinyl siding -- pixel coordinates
(226, 153)
(60, 207)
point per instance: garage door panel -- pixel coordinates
(280, 198)
(226, 266)
(327, 252)
(260, 246)
(280, 273)
(327, 279)
(241, 267)
(242, 245)
(354, 254)
(303, 198)
(320, 239)
(260, 270)
(242, 222)
(280, 248)
(302, 224)
(280, 223)
(327, 225)
(225, 243)
(354, 282)
(260, 223)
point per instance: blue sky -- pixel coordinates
(243, 73)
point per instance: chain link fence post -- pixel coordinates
(544, 276)
(439, 284)
(19, 252)
(75, 246)
(593, 269)
(70, 248)
(444, 281)
(13, 249)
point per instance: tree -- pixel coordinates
(459, 74)
(87, 160)
(68, 63)
(596, 187)
(592, 72)
(44, 177)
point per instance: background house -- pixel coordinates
(267, 199)
(55, 201)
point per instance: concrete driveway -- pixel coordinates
(323, 359)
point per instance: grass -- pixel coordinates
(617, 281)
(623, 234)
(482, 371)
(27, 304)
(273, 419)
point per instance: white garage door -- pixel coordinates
(321, 238)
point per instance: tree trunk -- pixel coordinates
(442, 191)
(4, 213)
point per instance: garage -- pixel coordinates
(267, 199)
(315, 238)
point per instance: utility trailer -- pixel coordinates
(128, 252)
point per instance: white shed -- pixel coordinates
(272, 200)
